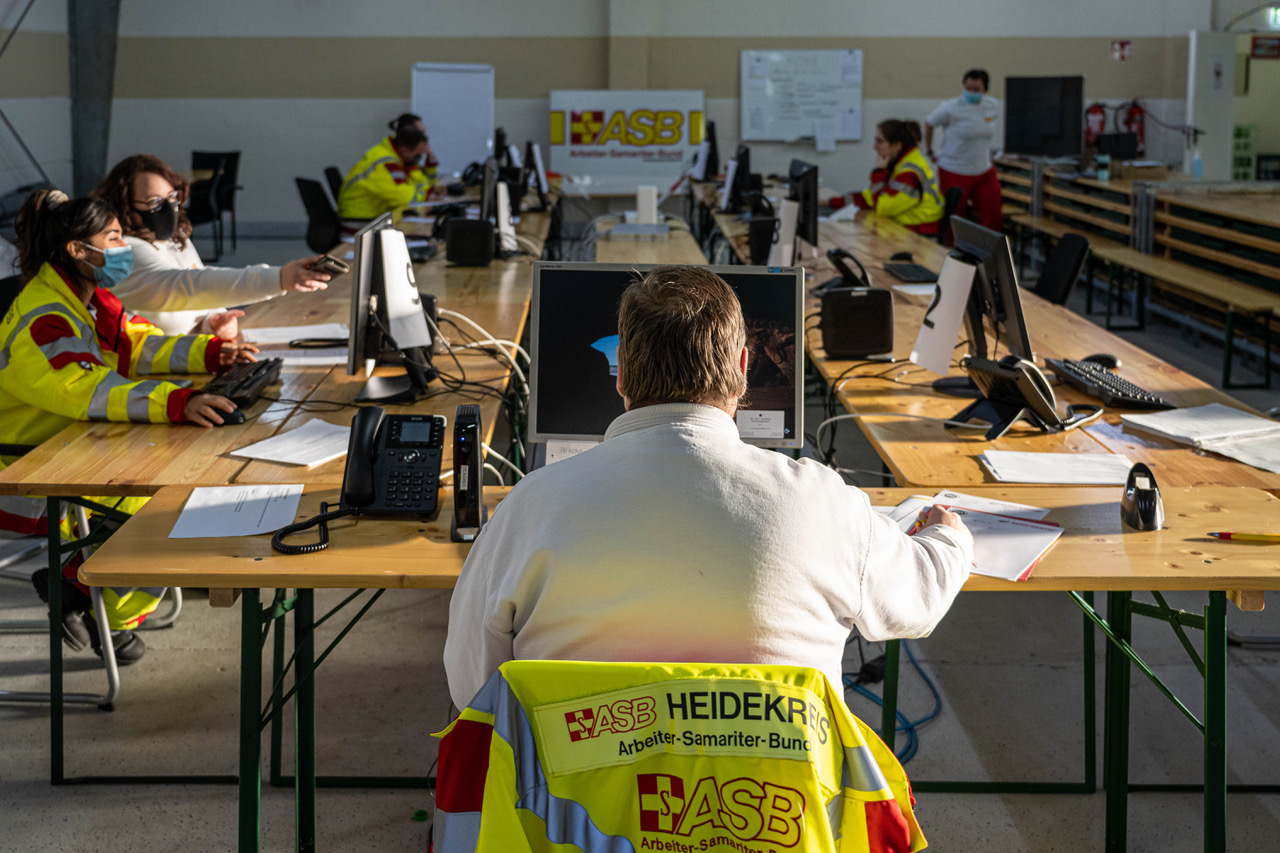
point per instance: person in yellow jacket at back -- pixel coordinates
(68, 352)
(903, 187)
(397, 172)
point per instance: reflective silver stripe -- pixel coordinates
(835, 817)
(905, 189)
(367, 172)
(930, 186)
(456, 831)
(32, 508)
(138, 402)
(86, 333)
(53, 349)
(150, 348)
(102, 395)
(875, 188)
(181, 354)
(861, 773)
(567, 821)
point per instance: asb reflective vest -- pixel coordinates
(908, 194)
(382, 182)
(624, 757)
(62, 361)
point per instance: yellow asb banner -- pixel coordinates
(627, 138)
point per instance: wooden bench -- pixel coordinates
(1215, 291)
(1028, 224)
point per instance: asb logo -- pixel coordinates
(625, 715)
(744, 808)
(637, 128)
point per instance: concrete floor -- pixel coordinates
(1007, 666)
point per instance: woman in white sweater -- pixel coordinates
(170, 285)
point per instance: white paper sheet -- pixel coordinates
(916, 289)
(284, 334)
(560, 449)
(851, 125)
(237, 511)
(311, 444)
(1008, 466)
(824, 134)
(320, 356)
(1006, 547)
(1261, 453)
(992, 505)
(936, 341)
(1200, 424)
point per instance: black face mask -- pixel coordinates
(162, 222)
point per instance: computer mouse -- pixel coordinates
(902, 256)
(229, 418)
(1103, 359)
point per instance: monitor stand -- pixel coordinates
(407, 388)
(957, 386)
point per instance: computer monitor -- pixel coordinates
(804, 190)
(996, 286)
(500, 152)
(713, 152)
(1121, 146)
(741, 178)
(1044, 116)
(488, 189)
(574, 339)
(387, 316)
(533, 162)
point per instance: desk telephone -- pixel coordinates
(847, 278)
(1014, 389)
(393, 467)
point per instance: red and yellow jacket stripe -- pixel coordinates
(382, 182)
(63, 361)
(908, 193)
(614, 757)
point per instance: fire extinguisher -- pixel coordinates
(1129, 119)
(1095, 122)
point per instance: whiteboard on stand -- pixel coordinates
(785, 92)
(456, 105)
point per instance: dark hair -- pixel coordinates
(977, 74)
(48, 221)
(680, 332)
(116, 190)
(402, 121)
(904, 133)
(408, 138)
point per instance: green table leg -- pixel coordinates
(274, 774)
(53, 511)
(304, 712)
(1090, 704)
(889, 710)
(1215, 723)
(250, 713)
(1116, 724)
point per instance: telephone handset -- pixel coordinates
(847, 276)
(393, 467)
(393, 463)
(1014, 389)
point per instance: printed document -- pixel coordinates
(311, 444)
(237, 511)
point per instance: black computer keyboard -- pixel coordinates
(243, 383)
(911, 272)
(1096, 381)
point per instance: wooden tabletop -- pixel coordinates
(109, 459)
(1228, 291)
(1095, 552)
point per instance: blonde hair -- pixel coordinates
(680, 334)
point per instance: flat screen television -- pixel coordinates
(1044, 116)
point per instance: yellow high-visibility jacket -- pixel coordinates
(907, 194)
(63, 361)
(382, 182)
(641, 756)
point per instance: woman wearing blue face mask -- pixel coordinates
(969, 130)
(69, 351)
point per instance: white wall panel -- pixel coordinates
(45, 126)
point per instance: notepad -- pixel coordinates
(1004, 546)
(1251, 439)
(311, 444)
(284, 334)
(1080, 469)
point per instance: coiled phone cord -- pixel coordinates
(323, 519)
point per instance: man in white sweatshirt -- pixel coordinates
(674, 540)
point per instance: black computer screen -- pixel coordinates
(574, 350)
(804, 189)
(1044, 116)
(997, 284)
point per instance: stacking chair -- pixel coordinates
(334, 177)
(202, 201)
(624, 756)
(224, 195)
(950, 202)
(1062, 269)
(324, 230)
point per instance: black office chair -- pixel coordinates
(950, 202)
(323, 228)
(202, 202)
(1062, 269)
(225, 195)
(9, 288)
(334, 177)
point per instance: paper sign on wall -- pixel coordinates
(936, 342)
